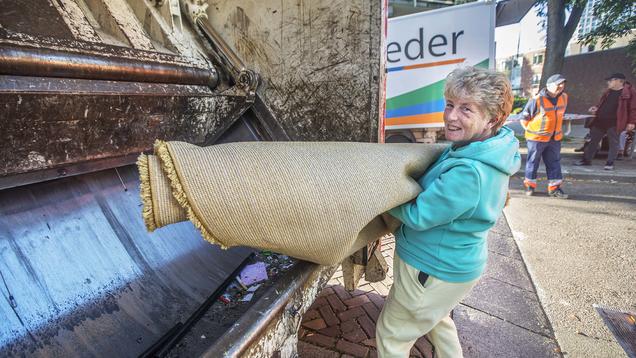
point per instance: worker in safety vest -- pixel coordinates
(543, 123)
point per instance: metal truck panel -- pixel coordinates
(319, 61)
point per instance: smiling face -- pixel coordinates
(465, 122)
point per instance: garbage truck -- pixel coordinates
(88, 85)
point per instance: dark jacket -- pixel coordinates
(626, 112)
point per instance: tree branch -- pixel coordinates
(575, 16)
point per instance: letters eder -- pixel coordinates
(414, 48)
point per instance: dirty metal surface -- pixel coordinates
(33, 18)
(319, 61)
(87, 279)
(622, 324)
(51, 123)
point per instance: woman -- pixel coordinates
(441, 245)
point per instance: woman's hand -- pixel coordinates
(593, 109)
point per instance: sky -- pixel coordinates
(528, 33)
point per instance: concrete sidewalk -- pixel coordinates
(502, 317)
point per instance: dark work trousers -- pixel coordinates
(597, 135)
(551, 154)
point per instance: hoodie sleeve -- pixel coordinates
(455, 193)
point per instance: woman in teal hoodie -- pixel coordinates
(441, 246)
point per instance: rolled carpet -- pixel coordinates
(316, 201)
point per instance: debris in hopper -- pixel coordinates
(243, 286)
(248, 297)
(225, 298)
(253, 288)
(255, 273)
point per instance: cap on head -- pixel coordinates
(555, 79)
(616, 75)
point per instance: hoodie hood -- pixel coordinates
(500, 152)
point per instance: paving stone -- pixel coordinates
(370, 342)
(367, 325)
(348, 326)
(482, 335)
(319, 301)
(510, 303)
(415, 353)
(336, 304)
(503, 245)
(356, 301)
(311, 315)
(320, 339)
(359, 291)
(342, 293)
(380, 288)
(376, 299)
(351, 313)
(326, 291)
(306, 350)
(371, 310)
(315, 324)
(425, 347)
(356, 335)
(508, 270)
(333, 331)
(354, 349)
(328, 315)
(373, 353)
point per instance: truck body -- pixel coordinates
(87, 85)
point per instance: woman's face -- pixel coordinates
(465, 122)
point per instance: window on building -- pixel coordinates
(537, 59)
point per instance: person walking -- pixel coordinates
(615, 113)
(543, 125)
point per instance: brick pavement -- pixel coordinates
(502, 316)
(342, 323)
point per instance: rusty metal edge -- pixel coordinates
(252, 328)
(29, 61)
(22, 179)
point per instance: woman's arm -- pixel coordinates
(453, 194)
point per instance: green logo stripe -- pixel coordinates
(428, 93)
(432, 92)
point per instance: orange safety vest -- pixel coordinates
(548, 121)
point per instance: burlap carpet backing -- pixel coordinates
(316, 201)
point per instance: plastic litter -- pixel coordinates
(254, 273)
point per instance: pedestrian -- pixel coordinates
(441, 246)
(614, 113)
(543, 125)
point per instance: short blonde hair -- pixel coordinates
(490, 90)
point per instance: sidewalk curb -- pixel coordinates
(519, 236)
(584, 176)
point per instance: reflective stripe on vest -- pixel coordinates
(548, 121)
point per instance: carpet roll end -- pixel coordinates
(147, 211)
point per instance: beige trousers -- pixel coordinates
(412, 310)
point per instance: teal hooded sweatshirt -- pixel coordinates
(444, 230)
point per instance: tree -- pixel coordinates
(558, 32)
(616, 18)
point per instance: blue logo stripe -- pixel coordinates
(420, 108)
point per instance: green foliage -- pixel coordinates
(518, 104)
(616, 18)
